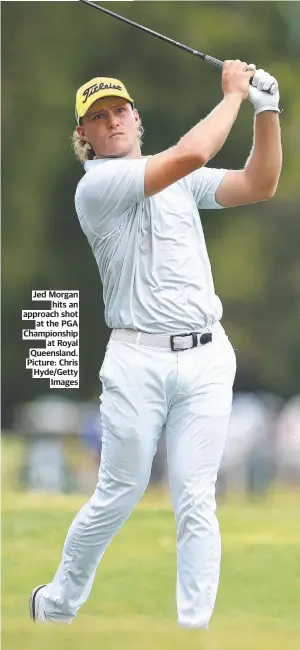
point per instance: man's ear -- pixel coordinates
(80, 131)
(136, 115)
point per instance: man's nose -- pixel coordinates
(113, 120)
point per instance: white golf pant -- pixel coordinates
(146, 389)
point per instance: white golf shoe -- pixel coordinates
(35, 606)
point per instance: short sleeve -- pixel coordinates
(108, 190)
(204, 183)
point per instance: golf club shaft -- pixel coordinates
(204, 57)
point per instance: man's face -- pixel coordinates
(111, 126)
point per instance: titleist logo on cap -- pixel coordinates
(96, 87)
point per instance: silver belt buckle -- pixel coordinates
(174, 336)
(204, 338)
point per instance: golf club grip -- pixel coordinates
(213, 61)
(216, 62)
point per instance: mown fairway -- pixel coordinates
(132, 605)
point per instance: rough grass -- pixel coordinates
(132, 606)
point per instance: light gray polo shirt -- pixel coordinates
(151, 252)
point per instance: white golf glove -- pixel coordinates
(263, 93)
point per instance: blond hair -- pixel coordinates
(83, 149)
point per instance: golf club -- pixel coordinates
(205, 57)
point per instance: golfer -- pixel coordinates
(169, 364)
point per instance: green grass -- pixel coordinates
(132, 606)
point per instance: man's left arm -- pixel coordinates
(259, 178)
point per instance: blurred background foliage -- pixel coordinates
(51, 48)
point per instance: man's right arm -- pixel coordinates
(205, 139)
